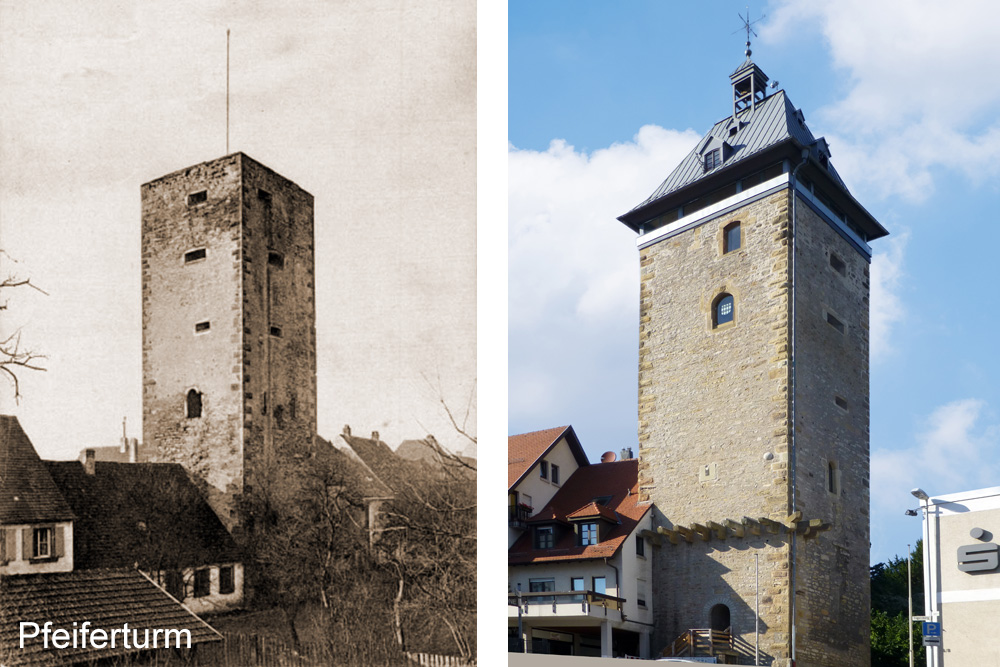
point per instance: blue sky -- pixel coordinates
(605, 99)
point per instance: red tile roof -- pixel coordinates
(525, 449)
(620, 480)
(106, 598)
(27, 492)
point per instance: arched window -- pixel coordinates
(732, 238)
(719, 617)
(724, 310)
(193, 404)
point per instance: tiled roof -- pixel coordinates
(106, 598)
(593, 509)
(27, 493)
(769, 123)
(146, 513)
(379, 458)
(525, 449)
(364, 481)
(620, 480)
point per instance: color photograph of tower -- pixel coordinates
(753, 318)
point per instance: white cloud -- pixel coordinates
(919, 94)
(954, 452)
(886, 305)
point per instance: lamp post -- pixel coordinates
(930, 562)
(909, 603)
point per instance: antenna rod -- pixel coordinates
(227, 91)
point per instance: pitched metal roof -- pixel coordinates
(620, 481)
(770, 122)
(27, 492)
(107, 599)
(146, 513)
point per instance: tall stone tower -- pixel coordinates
(228, 322)
(753, 387)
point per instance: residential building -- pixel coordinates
(961, 576)
(580, 575)
(537, 465)
(49, 569)
(753, 407)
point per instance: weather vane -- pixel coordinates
(746, 26)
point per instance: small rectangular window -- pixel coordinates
(732, 239)
(227, 583)
(42, 543)
(276, 259)
(835, 323)
(600, 585)
(640, 592)
(194, 255)
(276, 331)
(841, 402)
(202, 583)
(264, 196)
(712, 159)
(542, 586)
(555, 474)
(543, 470)
(838, 264)
(197, 197)
(201, 327)
(576, 584)
(832, 477)
(588, 534)
(544, 537)
(640, 545)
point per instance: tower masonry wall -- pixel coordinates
(177, 295)
(831, 444)
(713, 418)
(279, 324)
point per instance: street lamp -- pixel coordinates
(930, 564)
(920, 494)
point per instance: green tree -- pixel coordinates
(889, 608)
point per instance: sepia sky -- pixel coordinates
(605, 101)
(368, 105)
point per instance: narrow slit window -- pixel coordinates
(724, 310)
(832, 477)
(197, 197)
(838, 264)
(732, 238)
(835, 323)
(841, 402)
(276, 331)
(264, 196)
(276, 259)
(202, 327)
(194, 255)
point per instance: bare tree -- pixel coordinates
(13, 357)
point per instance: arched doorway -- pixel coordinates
(719, 617)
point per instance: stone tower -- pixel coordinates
(228, 324)
(753, 388)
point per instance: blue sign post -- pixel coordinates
(932, 634)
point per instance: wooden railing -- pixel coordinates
(698, 642)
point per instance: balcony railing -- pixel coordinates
(518, 516)
(587, 601)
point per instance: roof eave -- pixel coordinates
(574, 446)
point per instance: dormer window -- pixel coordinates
(42, 543)
(544, 537)
(588, 534)
(713, 159)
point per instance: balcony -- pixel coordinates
(518, 516)
(564, 603)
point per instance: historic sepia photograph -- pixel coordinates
(238, 380)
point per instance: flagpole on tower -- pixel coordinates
(227, 91)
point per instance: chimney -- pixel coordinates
(133, 450)
(88, 462)
(123, 444)
(375, 436)
(625, 454)
(347, 429)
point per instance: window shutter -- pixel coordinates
(57, 532)
(11, 541)
(3, 546)
(27, 549)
